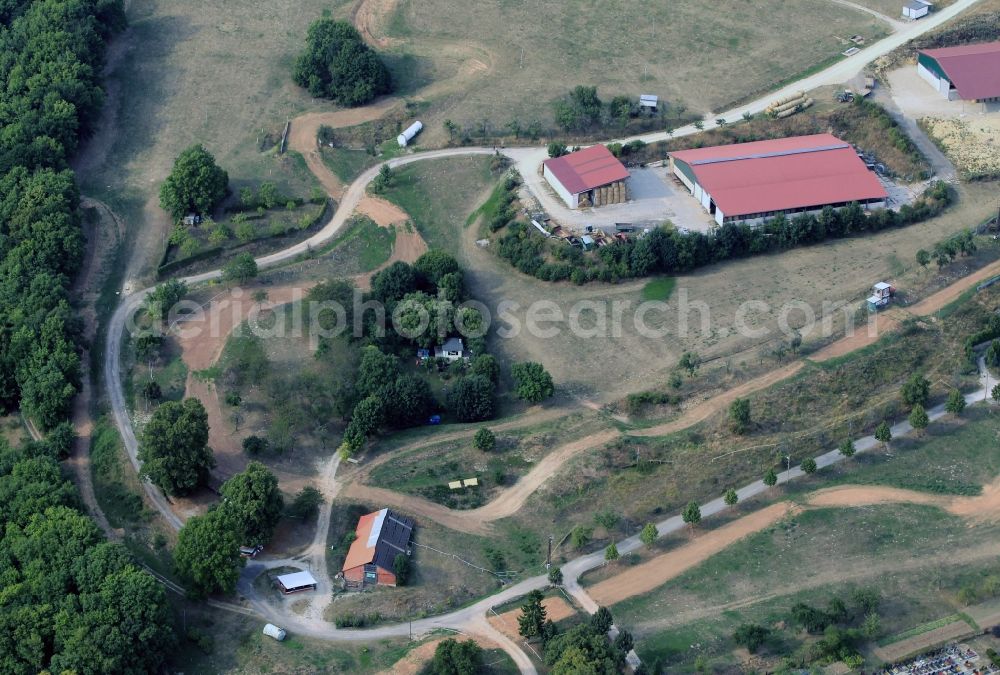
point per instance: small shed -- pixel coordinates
(296, 582)
(648, 101)
(452, 349)
(915, 9)
(882, 294)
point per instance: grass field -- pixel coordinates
(659, 289)
(508, 58)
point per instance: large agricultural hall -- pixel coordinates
(751, 182)
(966, 72)
(589, 177)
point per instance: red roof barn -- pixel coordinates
(586, 177)
(381, 536)
(969, 72)
(750, 182)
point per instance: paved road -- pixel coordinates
(527, 160)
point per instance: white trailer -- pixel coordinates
(271, 630)
(411, 131)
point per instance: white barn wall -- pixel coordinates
(567, 196)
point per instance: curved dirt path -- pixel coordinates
(506, 504)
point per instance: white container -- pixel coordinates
(404, 138)
(271, 630)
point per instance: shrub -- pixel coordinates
(484, 440)
(338, 65)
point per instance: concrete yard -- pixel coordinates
(655, 198)
(918, 99)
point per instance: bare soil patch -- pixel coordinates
(556, 609)
(900, 650)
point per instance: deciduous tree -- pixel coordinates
(173, 447)
(196, 184)
(253, 503)
(533, 382)
(207, 556)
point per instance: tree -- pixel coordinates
(337, 64)
(995, 393)
(306, 504)
(162, 298)
(452, 657)
(401, 568)
(923, 258)
(533, 382)
(691, 514)
(730, 497)
(580, 536)
(739, 415)
(611, 553)
(847, 448)
(233, 399)
(151, 391)
(648, 534)
(624, 641)
(253, 503)
(883, 434)
(472, 399)
(383, 179)
(557, 149)
(809, 465)
(255, 445)
(487, 366)
(529, 624)
(555, 576)
(751, 635)
(174, 448)
(916, 390)
(601, 620)
(207, 555)
(607, 519)
(435, 265)
(394, 282)
(872, 625)
(241, 269)
(690, 361)
(955, 403)
(196, 184)
(918, 418)
(770, 478)
(484, 440)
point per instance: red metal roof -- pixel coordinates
(973, 69)
(783, 174)
(587, 169)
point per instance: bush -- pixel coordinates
(484, 440)
(472, 399)
(533, 382)
(306, 504)
(255, 445)
(751, 635)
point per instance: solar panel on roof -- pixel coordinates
(765, 155)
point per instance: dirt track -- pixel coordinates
(657, 571)
(508, 503)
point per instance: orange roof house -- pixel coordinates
(381, 536)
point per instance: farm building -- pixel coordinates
(751, 182)
(296, 582)
(915, 9)
(590, 177)
(968, 72)
(381, 536)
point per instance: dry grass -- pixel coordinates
(682, 51)
(973, 144)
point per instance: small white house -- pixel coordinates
(452, 350)
(915, 9)
(648, 101)
(404, 138)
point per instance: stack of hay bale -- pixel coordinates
(789, 105)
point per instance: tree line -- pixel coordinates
(665, 250)
(51, 52)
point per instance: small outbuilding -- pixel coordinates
(453, 349)
(915, 9)
(649, 101)
(296, 582)
(590, 177)
(380, 537)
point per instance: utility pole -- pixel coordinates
(548, 559)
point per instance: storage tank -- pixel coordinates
(411, 131)
(271, 630)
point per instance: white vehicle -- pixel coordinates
(271, 630)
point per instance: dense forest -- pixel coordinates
(69, 601)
